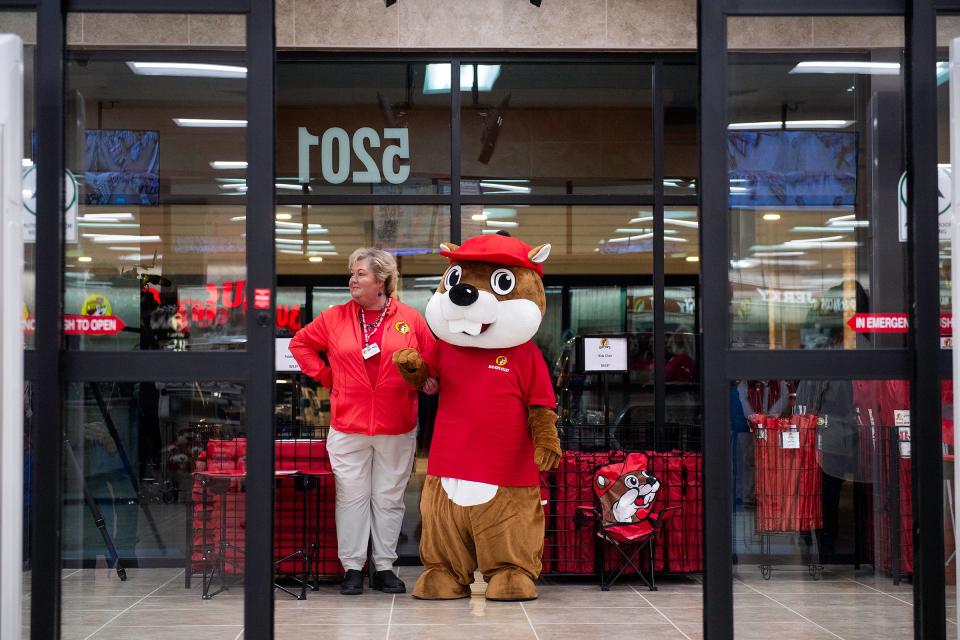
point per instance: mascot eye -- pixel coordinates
(631, 482)
(503, 281)
(452, 278)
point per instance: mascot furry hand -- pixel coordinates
(496, 424)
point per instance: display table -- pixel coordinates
(297, 530)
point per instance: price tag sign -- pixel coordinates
(284, 359)
(790, 440)
(903, 436)
(605, 354)
(901, 418)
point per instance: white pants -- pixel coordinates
(371, 474)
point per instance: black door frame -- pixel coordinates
(54, 367)
(721, 363)
(51, 368)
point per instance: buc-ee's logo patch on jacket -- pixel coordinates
(402, 327)
(500, 364)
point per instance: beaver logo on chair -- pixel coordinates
(627, 498)
(496, 424)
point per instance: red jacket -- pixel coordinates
(390, 406)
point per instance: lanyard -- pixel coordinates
(373, 326)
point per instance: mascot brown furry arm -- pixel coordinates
(496, 424)
(411, 366)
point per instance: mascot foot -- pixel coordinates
(438, 584)
(511, 586)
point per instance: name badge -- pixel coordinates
(370, 350)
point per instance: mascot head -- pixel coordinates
(492, 295)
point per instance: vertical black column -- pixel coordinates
(455, 228)
(718, 565)
(261, 278)
(46, 489)
(924, 345)
(659, 337)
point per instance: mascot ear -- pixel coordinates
(539, 255)
(449, 246)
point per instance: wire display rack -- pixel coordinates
(789, 488)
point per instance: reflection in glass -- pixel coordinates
(317, 240)
(947, 29)
(142, 137)
(558, 128)
(822, 498)
(362, 128)
(149, 264)
(583, 238)
(170, 277)
(680, 130)
(807, 252)
(25, 584)
(30, 235)
(140, 461)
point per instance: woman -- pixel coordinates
(372, 438)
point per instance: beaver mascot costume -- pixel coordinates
(496, 423)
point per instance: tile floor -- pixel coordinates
(153, 605)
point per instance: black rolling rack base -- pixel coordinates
(214, 556)
(814, 566)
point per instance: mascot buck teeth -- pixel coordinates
(496, 424)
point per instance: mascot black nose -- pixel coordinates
(464, 295)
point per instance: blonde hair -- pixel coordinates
(383, 264)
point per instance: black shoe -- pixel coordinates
(387, 581)
(352, 584)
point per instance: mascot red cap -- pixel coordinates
(495, 248)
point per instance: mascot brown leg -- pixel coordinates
(508, 532)
(446, 550)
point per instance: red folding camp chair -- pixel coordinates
(625, 517)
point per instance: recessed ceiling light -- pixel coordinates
(84, 259)
(229, 164)
(105, 217)
(103, 238)
(284, 216)
(693, 258)
(187, 69)
(436, 79)
(791, 124)
(835, 228)
(771, 217)
(208, 122)
(315, 259)
(848, 66)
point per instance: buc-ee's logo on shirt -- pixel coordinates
(402, 327)
(500, 364)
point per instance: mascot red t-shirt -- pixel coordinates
(497, 437)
